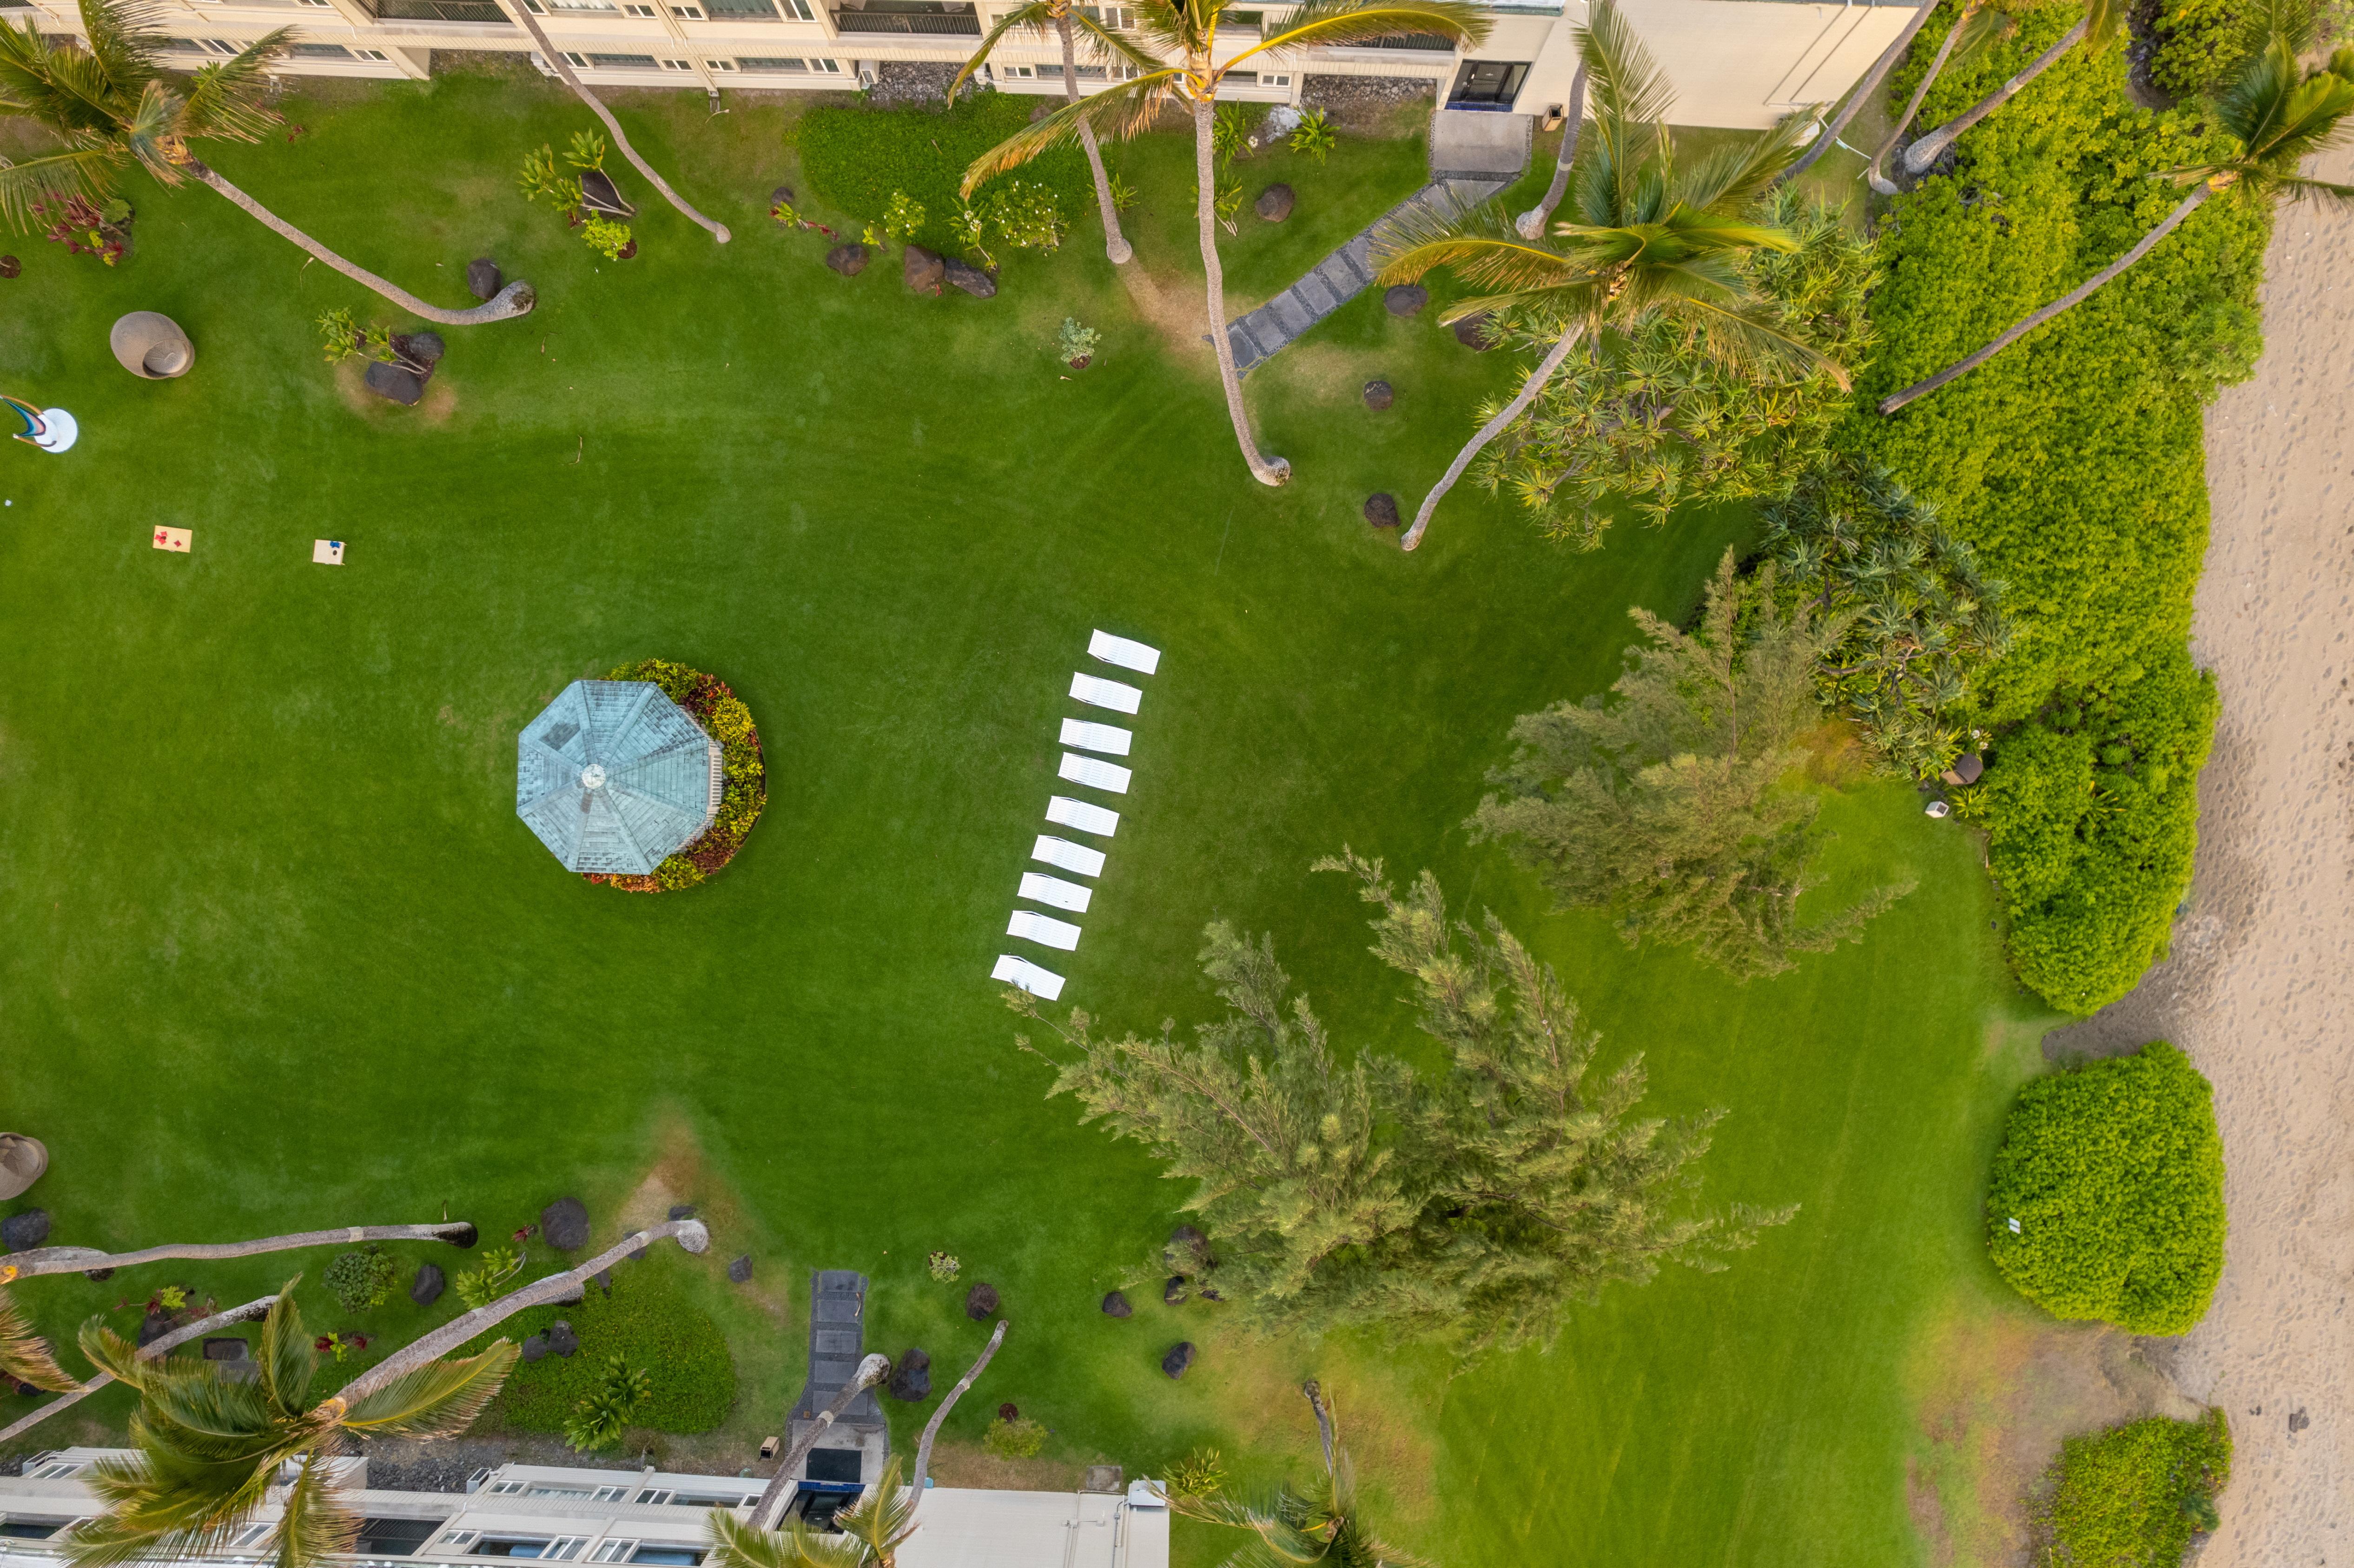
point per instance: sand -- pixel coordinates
(2257, 988)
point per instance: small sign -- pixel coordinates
(2014, 1227)
(327, 552)
(173, 539)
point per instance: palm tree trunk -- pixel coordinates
(514, 300)
(932, 1427)
(1490, 431)
(154, 1351)
(521, 12)
(2074, 297)
(1931, 147)
(1315, 1392)
(872, 1370)
(1829, 136)
(1872, 173)
(82, 1259)
(569, 1286)
(1531, 223)
(1116, 245)
(1267, 471)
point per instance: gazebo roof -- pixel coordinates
(613, 777)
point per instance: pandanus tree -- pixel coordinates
(109, 102)
(2275, 113)
(2096, 30)
(1646, 238)
(1320, 1523)
(1065, 21)
(1187, 32)
(522, 12)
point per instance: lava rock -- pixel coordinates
(226, 1348)
(1381, 510)
(1965, 770)
(1471, 332)
(849, 259)
(483, 278)
(979, 1302)
(536, 1347)
(682, 1211)
(1116, 1305)
(603, 1280)
(154, 1327)
(1274, 202)
(561, 1338)
(600, 194)
(924, 269)
(23, 1233)
(740, 1270)
(782, 193)
(971, 279)
(98, 1276)
(1210, 1293)
(1378, 394)
(1174, 1292)
(426, 1288)
(1180, 1357)
(564, 1225)
(10, 267)
(911, 1378)
(394, 383)
(1009, 1410)
(425, 347)
(1406, 299)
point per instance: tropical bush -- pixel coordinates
(1020, 1439)
(2133, 1496)
(1199, 1474)
(2106, 1202)
(2195, 44)
(609, 1408)
(1650, 420)
(859, 159)
(362, 1279)
(714, 705)
(487, 1280)
(2074, 464)
(646, 1321)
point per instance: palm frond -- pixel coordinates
(1037, 17)
(1738, 337)
(1481, 244)
(883, 1516)
(317, 1523)
(2296, 187)
(149, 132)
(1336, 23)
(159, 1504)
(439, 1399)
(25, 1355)
(1630, 96)
(2104, 19)
(196, 1410)
(288, 1360)
(739, 1544)
(223, 98)
(1726, 182)
(810, 1549)
(126, 39)
(1108, 44)
(1114, 114)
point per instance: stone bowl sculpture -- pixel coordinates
(22, 1161)
(152, 346)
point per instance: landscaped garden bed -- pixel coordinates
(712, 705)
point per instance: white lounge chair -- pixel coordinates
(1123, 652)
(1095, 771)
(1024, 975)
(1107, 738)
(1084, 815)
(1044, 930)
(1040, 888)
(1064, 855)
(1098, 692)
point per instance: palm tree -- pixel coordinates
(25, 1356)
(1319, 1525)
(1187, 31)
(210, 1452)
(563, 67)
(1646, 238)
(1973, 31)
(1530, 224)
(2276, 114)
(1864, 92)
(872, 1533)
(107, 100)
(163, 1345)
(1059, 17)
(85, 1260)
(2095, 30)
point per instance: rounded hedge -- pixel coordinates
(2113, 1174)
(712, 703)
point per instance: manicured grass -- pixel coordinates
(278, 954)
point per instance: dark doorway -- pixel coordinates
(1488, 84)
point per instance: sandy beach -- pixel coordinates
(2257, 988)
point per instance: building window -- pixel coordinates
(393, 1537)
(678, 65)
(623, 62)
(690, 12)
(613, 1551)
(1022, 72)
(799, 10)
(31, 1529)
(719, 65)
(1277, 79)
(665, 1555)
(319, 51)
(377, 54)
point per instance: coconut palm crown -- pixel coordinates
(872, 1533)
(1646, 237)
(1320, 1523)
(211, 1451)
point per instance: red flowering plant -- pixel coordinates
(84, 227)
(714, 706)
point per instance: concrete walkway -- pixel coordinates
(1472, 156)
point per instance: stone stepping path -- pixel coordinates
(1339, 276)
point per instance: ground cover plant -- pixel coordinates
(713, 704)
(2106, 1202)
(651, 1326)
(866, 511)
(858, 159)
(2073, 464)
(2134, 1495)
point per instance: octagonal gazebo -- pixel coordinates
(614, 777)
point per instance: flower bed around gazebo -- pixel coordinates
(714, 705)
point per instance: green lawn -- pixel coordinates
(277, 954)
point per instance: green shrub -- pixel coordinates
(646, 1322)
(2112, 1173)
(858, 159)
(2074, 462)
(487, 1280)
(1021, 1439)
(2195, 45)
(2132, 1496)
(713, 706)
(609, 1408)
(360, 1281)
(2091, 811)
